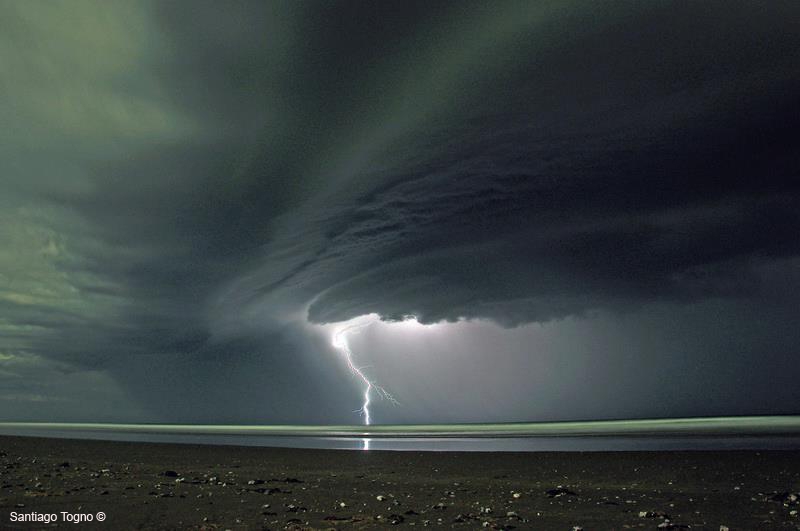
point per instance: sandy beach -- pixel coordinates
(172, 486)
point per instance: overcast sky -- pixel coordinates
(596, 204)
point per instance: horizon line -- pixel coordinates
(686, 426)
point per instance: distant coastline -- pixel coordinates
(701, 426)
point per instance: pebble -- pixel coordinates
(560, 491)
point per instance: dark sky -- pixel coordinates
(596, 203)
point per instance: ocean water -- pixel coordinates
(719, 433)
(483, 444)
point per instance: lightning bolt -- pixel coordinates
(340, 343)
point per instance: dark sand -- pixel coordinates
(170, 486)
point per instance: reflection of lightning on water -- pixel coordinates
(340, 343)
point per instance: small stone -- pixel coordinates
(653, 514)
(342, 505)
(559, 491)
(512, 514)
(516, 495)
(380, 497)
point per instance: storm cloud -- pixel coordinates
(188, 190)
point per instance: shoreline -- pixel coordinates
(778, 425)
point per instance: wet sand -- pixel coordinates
(171, 486)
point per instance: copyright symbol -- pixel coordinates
(100, 516)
